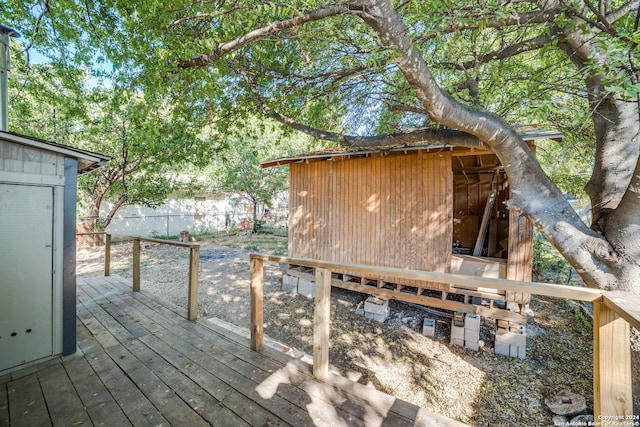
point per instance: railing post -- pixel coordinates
(107, 254)
(612, 386)
(194, 265)
(257, 295)
(321, 319)
(136, 265)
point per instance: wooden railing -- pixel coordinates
(614, 313)
(194, 264)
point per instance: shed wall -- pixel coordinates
(15, 158)
(393, 211)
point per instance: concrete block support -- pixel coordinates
(511, 340)
(377, 317)
(457, 332)
(471, 336)
(289, 283)
(373, 309)
(501, 349)
(429, 327)
(472, 322)
(465, 331)
(376, 305)
(306, 287)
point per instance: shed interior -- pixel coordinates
(475, 177)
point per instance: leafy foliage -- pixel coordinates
(237, 170)
(391, 71)
(147, 139)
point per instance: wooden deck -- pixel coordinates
(140, 362)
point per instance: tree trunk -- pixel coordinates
(607, 262)
(533, 193)
(254, 201)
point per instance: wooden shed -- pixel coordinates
(419, 207)
(37, 238)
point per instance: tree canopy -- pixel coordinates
(237, 168)
(147, 141)
(382, 72)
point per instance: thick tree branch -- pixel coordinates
(224, 48)
(439, 136)
(623, 10)
(624, 222)
(548, 210)
(605, 23)
(506, 52)
(519, 19)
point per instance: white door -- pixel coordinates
(26, 274)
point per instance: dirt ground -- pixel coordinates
(478, 388)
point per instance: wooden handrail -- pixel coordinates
(161, 241)
(194, 264)
(545, 289)
(626, 305)
(614, 312)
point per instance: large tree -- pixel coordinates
(237, 169)
(374, 72)
(147, 142)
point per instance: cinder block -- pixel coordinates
(429, 327)
(376, 306)
(360, 309)
(377, 317)
(471, 336)
(457, 332)
(502, 349)
(472, 322)
(513, 350)
(522, 352)
(476, 300)
(380, 317)
(471, 345)
(289, 283)
(511, 338)
(306, 287)
(458, 342)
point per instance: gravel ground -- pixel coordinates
(478, 388)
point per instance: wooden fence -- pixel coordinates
(614, 313)
(194, 264)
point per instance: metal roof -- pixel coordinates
(528, 133)
(87, 160)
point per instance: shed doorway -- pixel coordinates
(26, 266)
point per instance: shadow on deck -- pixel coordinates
(140, 362)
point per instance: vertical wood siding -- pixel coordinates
(393, 211)
(520, 259)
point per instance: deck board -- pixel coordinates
(26, 403)
(98, 402)
(141, 363)
(63, 403)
